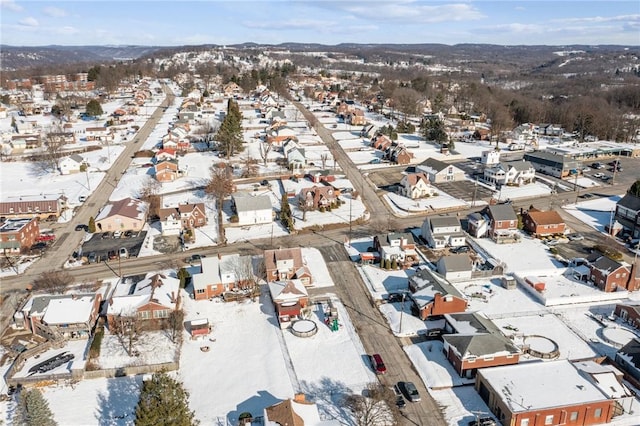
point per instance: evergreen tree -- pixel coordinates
(229, 135)
(183, 276)
(33, 409)
(285, 209)
(635, 188)
(433, 130)
(94, 108)
(92, 225)
(163, 401)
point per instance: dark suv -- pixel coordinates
(460, 249)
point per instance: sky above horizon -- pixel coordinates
(182, 22)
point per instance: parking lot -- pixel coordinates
(103, 243)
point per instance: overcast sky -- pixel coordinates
(177, 22)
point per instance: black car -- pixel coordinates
(39, 245)
(82, 227)
(106, 235)
(128, 234)
(400, 402)
(483, 421)
(460, 249)
(394, 298)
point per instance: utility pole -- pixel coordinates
(350, 218)
(402, 311)
(615, 169)
(475, 189)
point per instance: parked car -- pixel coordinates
(377, 364)
(82, 227)
(598, 165)
(460, 249)
(92, 257)
(400, 402)
(39, 245)
(575, 237)
(410, 391)
(587, 195)
(82, 198)
(117, 234)
(106, 235)
(483, 421)
(112, 255)
(394, 298)
(598, 175)
(195, 258)
(123, 253)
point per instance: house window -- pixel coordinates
(144, 315)
(597, 413)
(573, 416)
(488, 358)
(164, 313)
(524, 422)
(618, 275)
(471, 359)
(200, 291)
(548, 420)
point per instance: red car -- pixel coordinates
(46, 237)
(377, 364)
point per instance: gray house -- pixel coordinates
(628, 214)
(439, 171)
(455, 267)
(442, 231)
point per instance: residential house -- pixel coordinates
(100, 134)
(356, 117)
(396, 246)
(289, 298)
(152, 299)
(478, 224)
(252, 210)
(286, 264)
(27, 141)
(318, 197)
(442, 231)
(221, 274)
(165, 154)
(280, 134)
(629, 312)
(345, 108)
(490, 158)
(322, 176)
(628, 358)
(381, 142)
(455, 267)
(294, 154)
(415, 185)
(176, 219)
(433, 295)
(126, 214)
(18, 234)
(71, 164)
(609, 275)
(166, 170)
(628, 214)
(549, 163)
(513, 173)
(439, 171)
(472, 341)
(542, 223)
(543, 393)
(610, 381)
(295, 412)
(399, 154)
(42, 206)
(69, 316)
(502, 223)
(58, 139)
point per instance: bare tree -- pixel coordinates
(220, 186)
(265, 149)
(323, 158)
(406, 100)
(250, 167)
(150, 194)
(52, 281)
(127, 328)
(500, 120)
(304, 207)
(175, 324)
(375, 408)
(245, 276)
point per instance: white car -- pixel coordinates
(598, 175)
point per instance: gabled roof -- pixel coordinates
(127, 207)
(443, 221)
(429, 284)
(631, 352)
(520, 166)
(605, 264)
(630, 201)
(434, 164)
(471, 322)
(272, 256)
(282, 291)
(480, 344)
(413, 178)
(456, 262)
(549, 217)
(249, 203)
(502, 212)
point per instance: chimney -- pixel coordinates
(173, 297)
(299, 397)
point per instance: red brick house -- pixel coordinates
(541, 223)
(381, 142)
(153, 298)
(190, 215)
(289, 298)
(220, 274)
(356, 117)
(503, 223)
(543, 393)
(318, 196)
(432, 295)
(609, 275)
(165, 154)
(286, 264)
(166, 170)
(17, 235)
(472, 342)
(629, 312)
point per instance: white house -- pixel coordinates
(252, 210)
(97, 134)
(439, 171)
(442, 231)
(491, 157)
(415, 185)
(70, 164)
(510, 173)
(455, 267)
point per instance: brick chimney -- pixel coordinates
(299, 397)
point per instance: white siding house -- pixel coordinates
(253, 210)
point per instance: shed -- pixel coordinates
(535, 282)
(199, 327)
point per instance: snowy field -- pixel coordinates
(596, 213)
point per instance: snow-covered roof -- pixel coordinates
(162, 288)
(70, 309)
(213, 268)
(541, 385)
(287, 290)
(605, 377)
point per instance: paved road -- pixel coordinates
(377, 210)
(69, 239)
